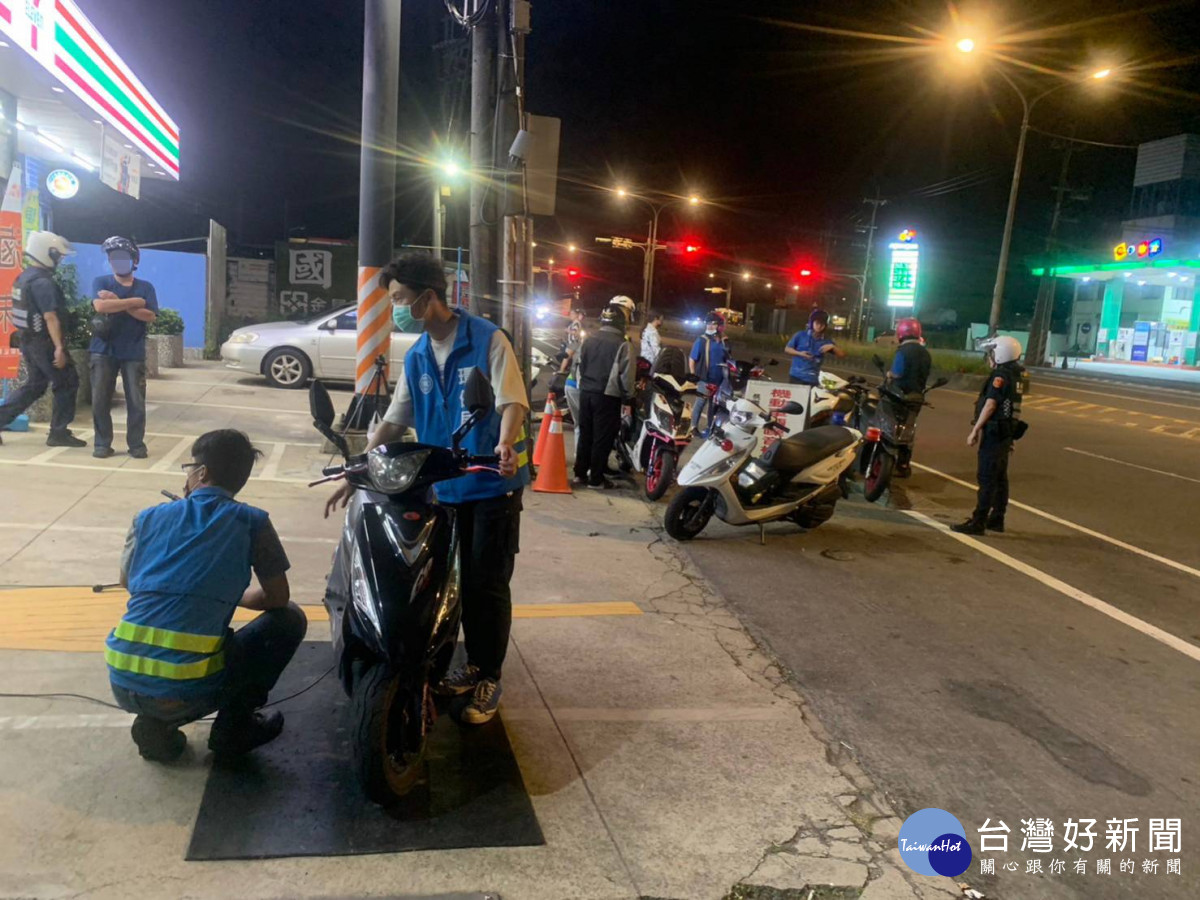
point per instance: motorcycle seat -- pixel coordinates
(801, 450)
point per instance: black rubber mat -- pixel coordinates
(298, 796)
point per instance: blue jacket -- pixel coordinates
(808, 370)
(438, 409)
(709, 353)
(189, 569)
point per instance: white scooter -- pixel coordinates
(800, 477)
(653, 443)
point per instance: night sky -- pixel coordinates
(784, 129)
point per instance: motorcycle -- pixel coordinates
(889, 426)
(799, 478)
(653, 443)
(393, 592)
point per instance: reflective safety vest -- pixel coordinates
(438, 409)
(26, 313)
(190, 566)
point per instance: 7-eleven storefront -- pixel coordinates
(76, 125)
(1141, 312)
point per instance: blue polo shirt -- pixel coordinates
(127, 339)
(808, 370)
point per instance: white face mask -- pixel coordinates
(711, 329)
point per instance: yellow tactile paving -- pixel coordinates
(77, 619)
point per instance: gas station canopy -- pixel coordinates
(70, 85)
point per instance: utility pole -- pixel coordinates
(875, 202)
(376, 197)
(483, 167)
(1043, 310)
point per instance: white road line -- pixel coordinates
(48, 455)
(172, 455)
(271, 469)
(80, 720)
(1058, 386)
(170, 434)
(1181, 567)
(121, 470)
(1151, 631)
(257, 409)
(1122, 462)
(121, 530)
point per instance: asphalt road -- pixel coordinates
(1059, 679)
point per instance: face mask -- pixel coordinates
(403, 318)
(121, 266)
(710, 330)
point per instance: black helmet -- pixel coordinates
(116, 242)
(818, 315)
(715, 318)
(613, 317)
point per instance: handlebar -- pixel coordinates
(772, 423)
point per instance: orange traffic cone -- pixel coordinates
(544, 430)
(552, 475)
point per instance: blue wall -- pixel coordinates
(178, 279)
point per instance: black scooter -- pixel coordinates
(889, 428)
(393, 593)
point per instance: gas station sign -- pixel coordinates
(902, 275)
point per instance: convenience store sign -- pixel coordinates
(62, 40)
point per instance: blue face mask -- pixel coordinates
(403, 318)
(121, 266)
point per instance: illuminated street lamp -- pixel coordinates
(572, 247)
(447, 168)
(966, 45)
(745, 276)
(652, 245)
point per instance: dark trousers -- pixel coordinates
(489, 539)
(104, 384)
(38, 353)
(255, 657)
(599, 418)
(992, 500)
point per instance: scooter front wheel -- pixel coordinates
(688, 513)
(389, 726)
(659, 474)
(879, 474)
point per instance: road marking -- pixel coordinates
(172, 455)
(271, 469)
(1061, 387)
(120, 530)
(47, 455)
(121, 470)
(1131, 465)
(168, 434)
(1083, 529)
(1151, 631)
(257, 409)
(77, 619)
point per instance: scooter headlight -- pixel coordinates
(360, 589)
(395, 474)
(721, 466)
(740, 417)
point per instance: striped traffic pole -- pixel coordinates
(374, 327)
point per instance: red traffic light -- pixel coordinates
(574, 274)
(691, 248)
(806, 273)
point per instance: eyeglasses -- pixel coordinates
(189, 466)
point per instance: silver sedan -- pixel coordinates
(291, 353)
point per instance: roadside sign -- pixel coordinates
(1086, 327)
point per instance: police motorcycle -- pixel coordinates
(888, 422)
(393, 592)
(652, 443)
(799, 478)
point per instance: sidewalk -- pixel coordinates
(666, 756)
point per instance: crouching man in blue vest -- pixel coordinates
(173, 658)
(488, 506)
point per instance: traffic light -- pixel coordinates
(574, 275)
(683, 248)
(691, 248)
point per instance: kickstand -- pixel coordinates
(762, 534)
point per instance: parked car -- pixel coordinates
(289, 354)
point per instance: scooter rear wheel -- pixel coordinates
(688, 513)
(390, 718)
(879, 474)
(659, 474)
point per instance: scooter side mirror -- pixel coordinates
(320, 404)
(791, 408)
(478, 396)
(879, 363)
(940, 382)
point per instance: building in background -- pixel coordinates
(1136, 303)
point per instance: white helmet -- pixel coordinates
(626, 304)
(47, 248)
(1003, 348)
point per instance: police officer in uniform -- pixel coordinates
(40, 315)
(429, 397)
(997, 425)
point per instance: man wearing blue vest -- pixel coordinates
(173, 659)
(808, 349)
(488, 506)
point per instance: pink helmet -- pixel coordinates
(907, 329)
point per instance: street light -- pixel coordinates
(448, 168)
(745, 276)
(652, 245)
(966, 45)
(572, 247)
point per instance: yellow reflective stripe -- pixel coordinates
(522, 459)
(144, 665)
(170, 640)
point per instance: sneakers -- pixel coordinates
(461, 681)
(602, 485)
(995, 523)
(233, 735)
(484, 703)
(156, 740)
(138, 452)
(64, 438)
(103, 452)
(971, 526)
(579, 481)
